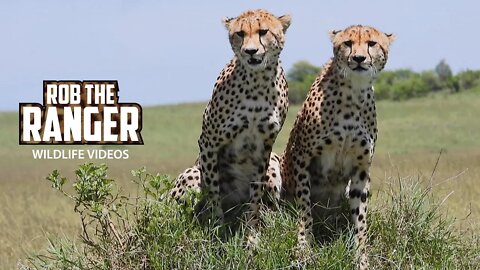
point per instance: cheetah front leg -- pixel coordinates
(302, 194)
(358, 196)
(257, 188)
(209, 170)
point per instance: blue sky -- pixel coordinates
(172, 51)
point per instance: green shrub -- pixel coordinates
(404, 84)
(468, 79)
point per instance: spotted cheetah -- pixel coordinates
(190, 180)
(330, 149)
(241, 122)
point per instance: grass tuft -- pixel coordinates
(408, 230)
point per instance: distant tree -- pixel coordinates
(443, 71)
(300, 78)
(453, 84)
(300, 70)
(409, 88)
(403, 74)
(397, 84)
(432, 80)
(383, 84)
(387, 80)
(468, 79)
(403, 84)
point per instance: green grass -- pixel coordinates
(411, 136)
(152, 232)
(442, 121)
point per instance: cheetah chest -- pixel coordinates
(240, 159)
(341, 149)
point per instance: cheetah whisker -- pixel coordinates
(344, 72)
(375, 71)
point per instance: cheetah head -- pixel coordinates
(257, 37)
(360, 51)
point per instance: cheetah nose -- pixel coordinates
(359, 58)
(250, 51)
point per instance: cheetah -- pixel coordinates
(190, 180)
(326, 164)
(241, 121)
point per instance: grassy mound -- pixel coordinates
(149, 231)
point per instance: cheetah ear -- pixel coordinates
(285, 20)
(226, 21)
(334, 33)
(391, 37)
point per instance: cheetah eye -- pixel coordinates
(348, 43)
(372, 43)
(240, 34)
(263, 32)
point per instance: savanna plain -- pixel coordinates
(433, 141)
